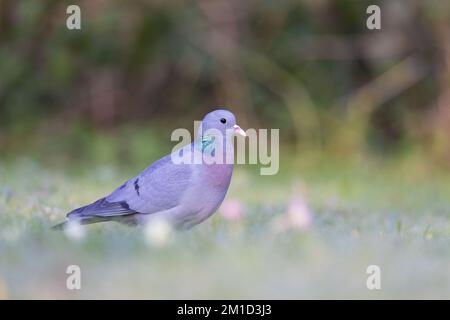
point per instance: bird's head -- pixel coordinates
(223, 121)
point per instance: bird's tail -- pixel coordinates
(60, 226)
(81, 221)
(99, 211)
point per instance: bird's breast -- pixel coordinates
(219, 175)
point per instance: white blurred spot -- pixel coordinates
(298, 214)
(157, 232)
(232, 209)
(74, 231)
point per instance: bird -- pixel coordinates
(183, 193)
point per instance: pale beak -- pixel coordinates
(239, 131)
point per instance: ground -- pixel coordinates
(365, 213)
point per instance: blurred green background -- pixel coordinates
(364, 119)
(310, 68)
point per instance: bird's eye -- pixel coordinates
(223, 120)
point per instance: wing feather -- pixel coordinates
(158, 188)
(102, 208)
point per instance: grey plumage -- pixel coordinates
(183, 194)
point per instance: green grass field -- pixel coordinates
(365, 213)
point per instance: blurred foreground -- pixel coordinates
(364, 213)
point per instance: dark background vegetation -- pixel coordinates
(310, 68)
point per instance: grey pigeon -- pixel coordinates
(184, 194)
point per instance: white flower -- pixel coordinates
(157, 232)
(74, 231)
(300, 216)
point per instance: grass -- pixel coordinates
(394, 216)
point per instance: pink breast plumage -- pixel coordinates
(219, 175)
